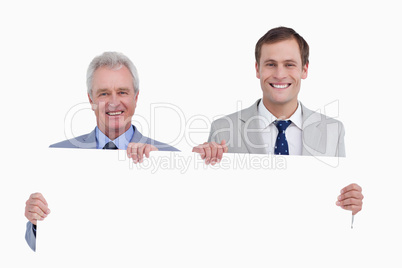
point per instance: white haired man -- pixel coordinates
(113, 88)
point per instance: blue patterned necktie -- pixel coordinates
(281, 144)
(110, 145)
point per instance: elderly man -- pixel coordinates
(278, 123)
(113, 88)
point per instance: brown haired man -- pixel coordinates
(278, 123)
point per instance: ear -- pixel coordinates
(91, 102)
(136, 98)
(305, 71)
(257, 71)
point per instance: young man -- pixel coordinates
(278, 123)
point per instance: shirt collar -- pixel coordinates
(121, 142)
(296, 117)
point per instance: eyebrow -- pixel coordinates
(102, 90)
(271, 60)
(292, 61)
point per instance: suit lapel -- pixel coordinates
(89, 142)
(138, 137)
(250, 130)
(314, 132)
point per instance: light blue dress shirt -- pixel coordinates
(121, 142)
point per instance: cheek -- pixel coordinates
(100, 106)
(265, 74)
(131, 107)
(297, 76)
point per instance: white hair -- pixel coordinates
(112, 60)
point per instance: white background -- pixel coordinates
(199, 57)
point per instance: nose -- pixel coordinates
(280, 72)
(114, 100)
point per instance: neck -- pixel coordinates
(281, 111)
(113, 134)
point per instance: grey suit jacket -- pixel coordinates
(88, 141)
(321, 136)
(30, 237)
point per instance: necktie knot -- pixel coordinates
(282, 125)
(110, 145)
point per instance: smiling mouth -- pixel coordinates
(280, 86)
(114, 113)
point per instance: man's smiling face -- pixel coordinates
(113, 100)
(280, 72)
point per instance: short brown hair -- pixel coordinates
(281, 34)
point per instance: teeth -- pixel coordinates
(280, 86)
(116, 113)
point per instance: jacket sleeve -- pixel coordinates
(30, 236)
(212, 135)
(341, 144)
